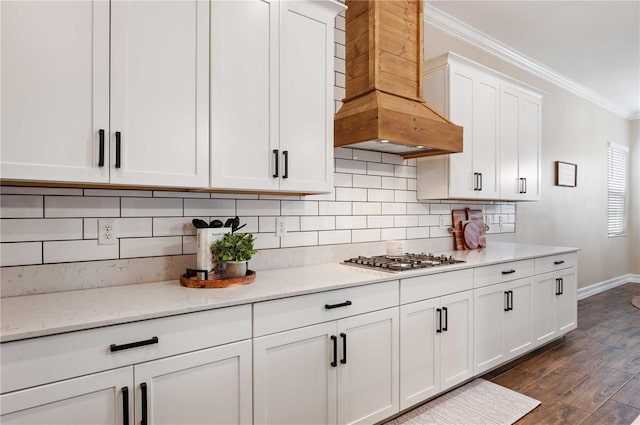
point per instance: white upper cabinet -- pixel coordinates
(102, 92)
(501, 135)
(55, 90)
(520, 144)
(272, 95)
(159, 93)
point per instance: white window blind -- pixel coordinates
(617, 159)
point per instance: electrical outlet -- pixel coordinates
(107, 234)
(281, 227)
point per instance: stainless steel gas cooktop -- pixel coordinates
(400, 263)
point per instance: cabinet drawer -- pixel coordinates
(289, 313)
(498, 273)
(40, 360)
(556, 262)
(435, 285)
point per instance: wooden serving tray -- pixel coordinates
(217, 281)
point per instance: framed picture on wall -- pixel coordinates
(566, 174)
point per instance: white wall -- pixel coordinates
(573, 130)
(634, 210)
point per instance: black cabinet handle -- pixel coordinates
(446, 319)
(334, 339)
(276, 166)
(510, 300)
(521, 184)
(150, 341)
(557, 286)
(101, 153)
(506, 296)
(125, 405)
(525, 185)
(143, 388)
(475, 181)
(557, 263)
(331, 306)
(561, 286)
(118, 144)
(344, 348)
(285, 154)
(439, 311)
(508, 271)
(480, 186)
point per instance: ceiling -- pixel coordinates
(595, 44)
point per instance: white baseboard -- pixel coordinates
(596, 288)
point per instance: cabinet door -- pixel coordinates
(485, 135)
(517, 321)
(544, 304)
(92, 399)
(55, 90)
(510, 184)
(306, 96)
(461, 177)
(489, 305)
(368, 349)
(566, 302)
(244, 94)
(456, 346)
(529, 146)
(160, 92)
(294, 381)
(210, 386)
(419, 352)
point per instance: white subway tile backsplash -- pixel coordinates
(350, 194)
(340, 24)
(40, 229)
(266, 241)
(119, 193)
(492, 209)
(173, 226)
(189, 244)
(405, 220)
(367, 235)
(299, 207)
(395, 233)
(152, 207)
(293, 239)
(18, 254)
(351, 222)
(150, 247)
(338, 92)
(412, 162)
(281, 197)
(25, 190)
(252, 225)
(72, 251)
(340, 78)
(437, 232)
(317, 223)
(351, 166)
(334, 208)
(440, 208)
(76, 206)
(393, 208)
(429, 220)
(342, 180)
(417, 208)
(362, 180)
(267, 224)
(234, 196)
(258, 207)
(394, 183)
(21, 206)
(343, 153)
(340, 39)
(417, 232)
(370, 156)
(508, 228)
(292, 223)
(377, 221)
(367, 208)
(405, 196)
(331, 237)
(176, 194)
(331, 196)
(125, 227)
(412, 184)
(508, 208)
(376, 169)
(209, 207)
(380, 195)
(405, 171)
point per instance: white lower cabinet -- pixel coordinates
(554, 301)
(503, 323)
(436, 346)
(343, 371)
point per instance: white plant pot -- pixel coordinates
(236, 269)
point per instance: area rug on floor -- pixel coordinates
(479, 402)
(636, 301)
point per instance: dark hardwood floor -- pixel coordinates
(592, 376)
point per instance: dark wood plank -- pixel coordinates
(630, 393)
(612, 413)
(515, 379)
(554, 413)
(553, 385)
(594, 358)
(596, 389)
(628, 361)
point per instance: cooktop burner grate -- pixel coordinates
(393, 263)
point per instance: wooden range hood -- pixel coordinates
(384, 109)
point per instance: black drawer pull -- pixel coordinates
(149, 341)
(143, 388)
(508, 271)
(439, 311)
(286, 164)
(125, 405)
(557, 263)
(334, 339)
(506, 295)
(510, 300)
(101, 158)
(118, 143)
(276, 166)
(557, 286)
(446, 319)
(344, 304)
(344, 348)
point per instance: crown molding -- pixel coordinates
(448, 24)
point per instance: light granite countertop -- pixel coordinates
(47, 314)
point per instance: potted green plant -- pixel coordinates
(235, 249)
